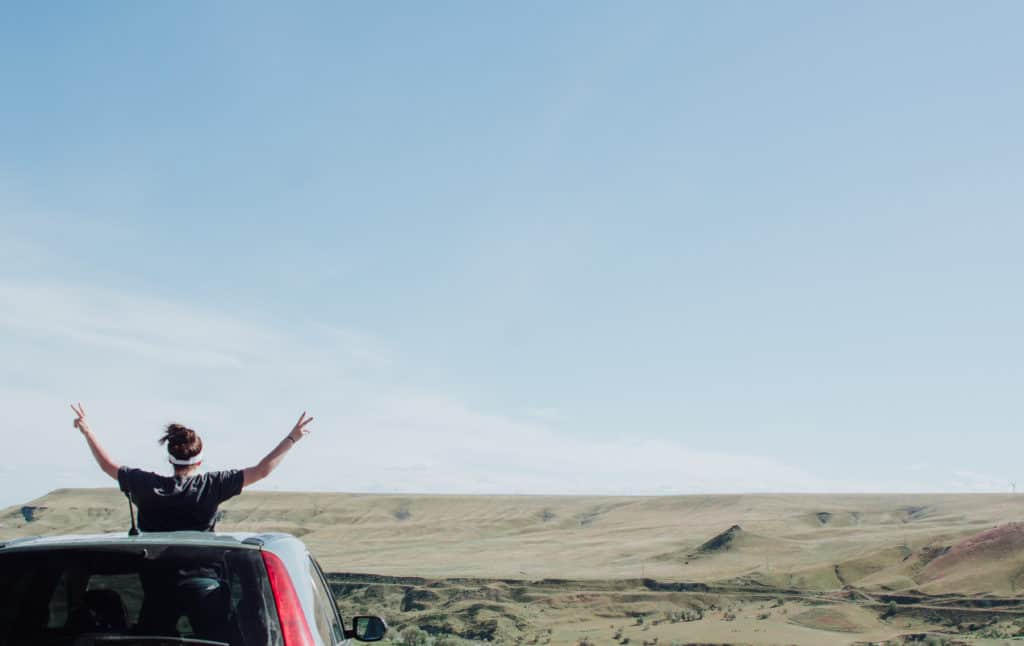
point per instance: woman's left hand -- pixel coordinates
(80, 422)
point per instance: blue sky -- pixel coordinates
(533, 247)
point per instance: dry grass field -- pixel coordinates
(737, 569)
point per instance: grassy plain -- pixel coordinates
(757, 569)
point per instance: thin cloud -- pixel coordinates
(140, 362)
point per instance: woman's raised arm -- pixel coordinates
(106, 464)
(252, 475)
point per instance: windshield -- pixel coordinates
(185, 594)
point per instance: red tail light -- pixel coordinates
(289, 611)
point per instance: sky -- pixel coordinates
(559, 248)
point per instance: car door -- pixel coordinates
(328, 621)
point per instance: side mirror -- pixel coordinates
(367, 629)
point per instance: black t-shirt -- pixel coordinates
(169, 504)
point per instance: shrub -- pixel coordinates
(413, 636)
(890, 610)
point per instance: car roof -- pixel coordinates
(241, 540)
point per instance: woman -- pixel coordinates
(188, 500)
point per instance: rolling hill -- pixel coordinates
(936, 543)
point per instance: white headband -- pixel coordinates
(195, 459)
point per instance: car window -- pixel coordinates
(328, 623)
(54, 597)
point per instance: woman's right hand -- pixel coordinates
(299, 430)
(80, 422)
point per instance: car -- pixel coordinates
(170, 589)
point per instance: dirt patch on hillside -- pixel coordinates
(996, 544)
(831, 618)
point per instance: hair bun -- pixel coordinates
(182, 442)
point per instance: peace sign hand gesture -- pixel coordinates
(299, 430)
(80, 422)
